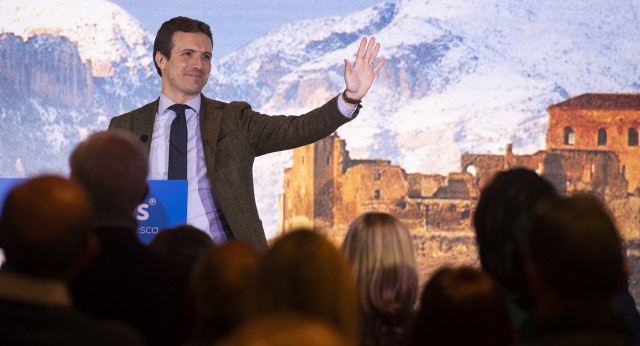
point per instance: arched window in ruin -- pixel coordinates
(376, 194)
(602, 136)
(569, 136)
(633, 137)
(471, 169)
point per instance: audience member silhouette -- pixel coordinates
(460, 307)
(128, 281)
(219, 282)
(183, 242)
(286, 329)
(380, 250)
(304, 273)
(45, 234)
(502, 219)
(576, 268)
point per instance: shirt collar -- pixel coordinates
(165, 103)
(31, 290)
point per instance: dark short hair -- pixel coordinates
(184, 242)
(464, 296)
(164, 37)
(576, 249)
(502, 219)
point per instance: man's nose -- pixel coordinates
(198, 63)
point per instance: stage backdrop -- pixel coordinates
(466, 91)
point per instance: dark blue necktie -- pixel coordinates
(178, 144)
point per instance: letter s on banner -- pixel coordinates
(142, 213)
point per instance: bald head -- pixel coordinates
(43, 225)
(112, 165)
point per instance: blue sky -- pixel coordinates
(235, 23)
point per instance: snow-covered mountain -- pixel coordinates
(460, 76)
(104, 33)
(66, 67)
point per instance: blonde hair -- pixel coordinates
(380, 250)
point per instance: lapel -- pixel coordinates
(143, 123)
(210, 121)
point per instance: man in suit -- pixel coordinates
(45, 234)
(224, 138)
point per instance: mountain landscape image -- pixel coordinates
(460, 77)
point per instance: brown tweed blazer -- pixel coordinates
(232, 136)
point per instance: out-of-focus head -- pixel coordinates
(286, 329)
(380, 250)
(305, 273)
(183, 242)
(575, 252)
(464, 296)
(164, 38)
(113, 167)
(44, 226)
(219, 282)
(502, 219)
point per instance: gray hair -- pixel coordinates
(113, 167)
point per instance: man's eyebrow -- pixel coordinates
(193, 50)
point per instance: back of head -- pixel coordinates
(183, 242)
(219, 281)
(380, 250)
(462, 306)
(113, 167)
(44, 225)
(502, 219)
(164, 38)
(576, 250)
(305, 273)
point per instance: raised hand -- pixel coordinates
(359, 78)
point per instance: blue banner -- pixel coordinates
(165, 206)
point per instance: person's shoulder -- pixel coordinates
(61, 325)
(149, 107)
(210, 104)
(106, 332)
(124, 120)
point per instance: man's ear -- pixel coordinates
(160, 60)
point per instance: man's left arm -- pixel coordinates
(275, 133)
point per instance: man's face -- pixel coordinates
(187, 72)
